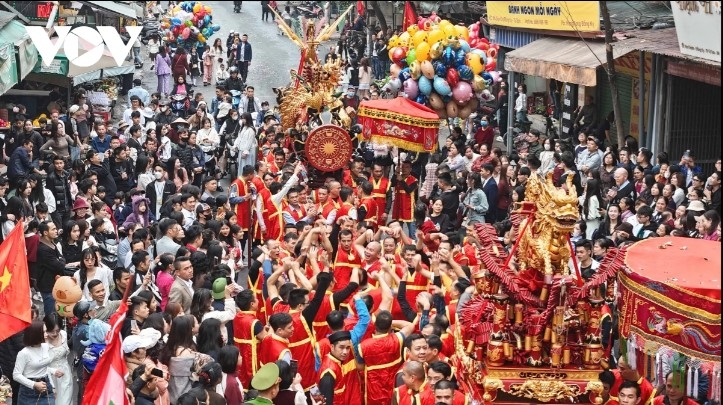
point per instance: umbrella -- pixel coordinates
(399, 122)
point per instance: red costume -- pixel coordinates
(331, 365)
(372, 211)
(301, 345)
(647, 392)
(273, 348)
(240, 188)
(321, 328)
(660, 400)
(273, 219)
(257, 288)
(405, 196)
(348, 179)
(405, 396)
(297, 214)
(343, 266)
(382, 357)
(244, 338)
(352, 392)
(379, 194)
(326, 208)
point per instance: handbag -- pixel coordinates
(6, 390)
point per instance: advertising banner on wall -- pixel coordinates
(545, 15)
(697, 24)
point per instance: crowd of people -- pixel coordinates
(277, 291)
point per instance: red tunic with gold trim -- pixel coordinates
(614, 401)
(372, 211)
(647, 392)
(257, 288)
(297, 214)
(301, 345)
(331, 365)
(343, 266)
(240, 188)
(273, 168)
(326, 208)
(348, 179)
(321, 328)
(274, 219)
(447, 344)
(245, 340)
(461, 399)
(264, 195)
(452, 311)
(379, 193)
(277, 308)
(403, 205)
(416, 283)
(273, 348)
(344, 210)
(352, 394)
(382, 355)
(405, 396)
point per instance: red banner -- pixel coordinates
(670, 316)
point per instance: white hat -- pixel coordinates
(224, 109)
(73, 109)
(146, 339)
(696, 205)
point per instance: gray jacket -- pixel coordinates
(477, 199)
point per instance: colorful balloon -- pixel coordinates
(452, 77)
(452, 110)
(421, 99)
(448, 56)
(459, 56)
(425, 85)
(197, 7)
(411, 88)
(449, 30)
(415, 69)
(465, 73)
(398, 55)
(435, 101)
(439, 69)
(422, 51)
(462, 32)
(427, 69)
(419, 37)
(441, 86)
(185, 33)
(412, 29)
(474, 62)
(435, 52)
(464, 45)
(404, 38)
(404, 74)
(462, 92)
(411, 56)
(394, 70)
(478, 83)
(435, 36)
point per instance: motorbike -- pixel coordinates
(237, 6)
(311, 10)
(180, 104)
(235, 98)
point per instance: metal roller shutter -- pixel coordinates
(605, 98)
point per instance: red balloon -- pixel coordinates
(398, 55)
(482, 45)
(452, 77)
(485, 40)
(491, 64)
(473, 41)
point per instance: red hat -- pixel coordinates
(80, 203)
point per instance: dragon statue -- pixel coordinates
(531, 330)
(313, 89)
(544, 241)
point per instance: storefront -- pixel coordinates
(18, 55)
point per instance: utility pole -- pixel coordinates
(611, 72)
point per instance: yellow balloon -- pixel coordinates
(475, 63)
(462, 32)
(449, 30)
(201, 38)
(435, 36)
(419, 37)
(197, 8)
(478, 83)
(404, 39)
(394, 41)
(412, 29)
(444, 23)
(422, 51)
(436, 50)
(415, 69)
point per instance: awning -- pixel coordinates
(119, 9)
(14, 33)
(565, 60)
(660, 42)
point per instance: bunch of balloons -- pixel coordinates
(189, 24)
(448, 67)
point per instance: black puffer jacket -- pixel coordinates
(58, 185)
(185, 155)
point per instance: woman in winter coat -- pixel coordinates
(246, 144)
(141, 213)
(180, 66)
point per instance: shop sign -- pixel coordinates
(545, 15)
(629, 64)
(698, 25)
(635, 106)
(59, 66)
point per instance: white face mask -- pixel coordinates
(159, 175)
(547, 146)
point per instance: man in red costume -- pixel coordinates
(368, 209)
(415, 390)
(332, 379)
(382, 356)
(381, 192)
(241, 194)
(248, 331)
(625, 373)
(275, 345)
(352, 175)
(405, 195)
(272, 226)
(294, 211)
(325, 206)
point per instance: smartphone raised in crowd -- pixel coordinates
(294, 367)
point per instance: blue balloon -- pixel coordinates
(486, 76)
(421, 99)
(439, 69)
(448, 56)
(216, 28)
(464, 45)
(459, 57)
(425, 85)
(175, 21)
(465, 73)
(404, 74)
(207, 19)
(441, 86)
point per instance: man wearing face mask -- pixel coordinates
(160, 190)
(165, 116)
(350, 98)
(485, 134)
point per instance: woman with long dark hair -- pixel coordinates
(209, 339)
(246, 145)
(32, 368)
(201, 303)
(91, 270)
(181, 357)
(230, 386)
(71, 244)
(57, 340)
(590, 206)
(176, 173)
(611, 221)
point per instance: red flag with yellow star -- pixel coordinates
(14, 284)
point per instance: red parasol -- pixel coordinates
(399, 122)
(671, 295)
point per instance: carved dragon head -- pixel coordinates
(556, 206)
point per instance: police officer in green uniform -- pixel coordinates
(266, 382)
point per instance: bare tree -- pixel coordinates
(379, 14)
(610, 70)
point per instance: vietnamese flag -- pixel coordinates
(360, 9)
(410, 15)
(15, 303)
(107, 385)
